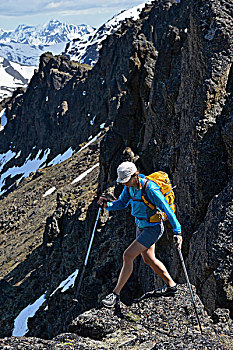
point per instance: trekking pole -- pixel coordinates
(190, 288)
(88, 252)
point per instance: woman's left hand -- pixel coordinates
(178, 241)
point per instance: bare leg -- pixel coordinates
(129, 255)
(157, 266)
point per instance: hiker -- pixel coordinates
(147, 233)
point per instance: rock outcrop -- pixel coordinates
(163, 323)
(37, 117)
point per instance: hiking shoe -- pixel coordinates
(111, 300)
(165, 291)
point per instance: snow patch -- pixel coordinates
(28, 167)
(67, 283)
(21, 321)
(61, 157)
(80, 177)
(50, 191)
(3, 119)
(93, 120)
(5, 158)
(88, 143)
(18, 154)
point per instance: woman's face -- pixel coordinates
(133, 182)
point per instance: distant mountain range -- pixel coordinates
(20, 50)
(26, 44)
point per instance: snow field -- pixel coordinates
(26, 44)
(9, 80)
(77, 50)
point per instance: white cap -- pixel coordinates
(125, 170)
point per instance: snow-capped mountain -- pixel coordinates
(12, 76)
(26, 44)
(86, 49)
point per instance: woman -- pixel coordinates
(147, 233)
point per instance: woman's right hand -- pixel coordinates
(102, 202)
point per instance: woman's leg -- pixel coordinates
(129, 255)
(157, 266)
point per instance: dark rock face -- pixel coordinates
(211, 253)
(199, 160)
(163, 85)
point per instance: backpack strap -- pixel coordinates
(145, 198)
(146, 201)
(144, 195)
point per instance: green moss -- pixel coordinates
(132, 317)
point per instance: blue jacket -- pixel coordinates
(140, 210)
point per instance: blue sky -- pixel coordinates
(33, 12)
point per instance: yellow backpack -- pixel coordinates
(162, 180)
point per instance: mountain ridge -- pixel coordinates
(86, 50)
(26, 44)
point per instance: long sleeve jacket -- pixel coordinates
(139, 210)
